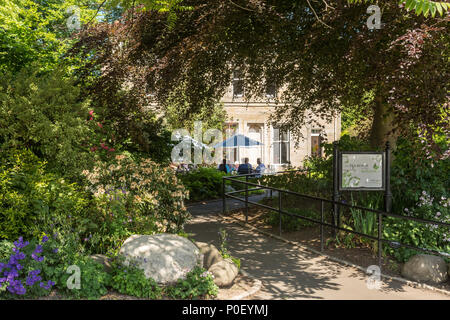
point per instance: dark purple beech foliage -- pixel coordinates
(324, 59)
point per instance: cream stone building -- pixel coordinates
(278, 149)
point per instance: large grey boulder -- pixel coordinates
(210, 254)
(163, 257)
(224, 272)
(425, 268)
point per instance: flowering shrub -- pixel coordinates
(143, 190)
(427, 236)
(23, 274)
(116, 221)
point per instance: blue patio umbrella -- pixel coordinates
(238, 140)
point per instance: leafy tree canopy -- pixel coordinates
(37, 31)
(403, 66)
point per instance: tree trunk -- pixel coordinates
(382, 126)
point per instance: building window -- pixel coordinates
(238, 84)
(316, 148)
(280, 146)
(230, 154)
(271, 90)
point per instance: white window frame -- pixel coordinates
(238, 79)
(288, 156)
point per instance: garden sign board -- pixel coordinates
(362, 171)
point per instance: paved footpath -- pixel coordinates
(291, 273)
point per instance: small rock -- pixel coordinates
(163, 257)
(425, 268)
(224, 272)
(210, 254)
(102, 259)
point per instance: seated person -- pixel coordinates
(260, 168)
(224, 167)
(245, 168)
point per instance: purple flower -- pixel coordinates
(37, 258)
(44, 239)
(16, 287)
(33, 277)
(38, 249)
(11, 274)
(55, 250)
(47, 286)
(35, 272)
(13, 260)
(20, 244)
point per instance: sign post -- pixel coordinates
(335, 185)
(362, 171)
(387, 193)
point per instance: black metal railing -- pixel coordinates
(335, 223)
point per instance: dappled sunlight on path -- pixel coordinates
(289, 272)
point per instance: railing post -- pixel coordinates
(380, 249)
(246, 199)
(279, 208)
(321, 226)
(335, 185)
(224, 209)
(387, 193)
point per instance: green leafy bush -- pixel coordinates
(203, 184)
(426, 236)
(131, 280)
(5, 249)
(44, 113)
(33, 201)
(414, 169)
(93, 279)
(199, 283)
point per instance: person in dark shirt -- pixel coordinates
(245, 168)
(224, 166)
